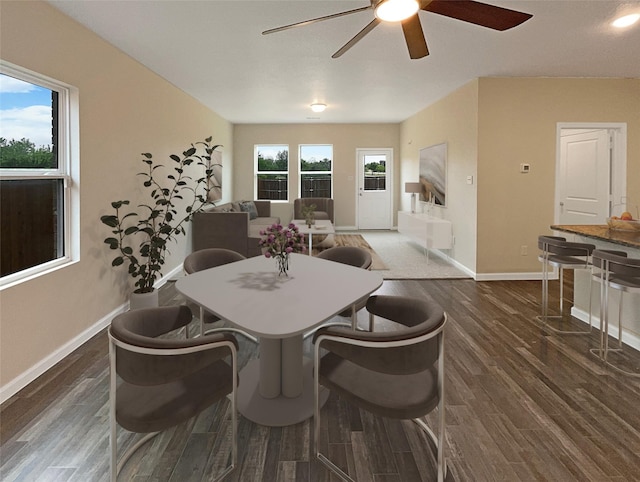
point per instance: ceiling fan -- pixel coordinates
(406, 12)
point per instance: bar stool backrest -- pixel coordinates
(562, 247)
(619, 263)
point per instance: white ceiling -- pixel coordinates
(214, 51)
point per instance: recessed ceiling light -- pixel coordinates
(626, 21)
(318, 107)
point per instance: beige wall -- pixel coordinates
(517, 123)
(345, 138)
(491, 125)
(124, 110)
(453, 120)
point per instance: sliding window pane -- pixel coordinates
(32, 223)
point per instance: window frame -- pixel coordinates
(67, 170)
(256, 172)
(301, 172)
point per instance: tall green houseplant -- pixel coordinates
(141, 237)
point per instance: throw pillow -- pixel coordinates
(249, 207)
(220, 209)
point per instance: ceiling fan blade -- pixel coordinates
(478, 13)
(370, 26)
(414, 37)
(314, 20)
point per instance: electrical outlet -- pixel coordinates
(523, 250)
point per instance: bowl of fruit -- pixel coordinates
(624, 222)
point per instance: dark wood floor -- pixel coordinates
(521, 405)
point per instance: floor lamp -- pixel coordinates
(413, 188)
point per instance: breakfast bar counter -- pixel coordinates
(603, 233)
(604, 238)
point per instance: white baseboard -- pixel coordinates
(509, 276)
(457, 264)
(22, 380)
(627, 338)
(29, 375)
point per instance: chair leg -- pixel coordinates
(619, 349)
(545, 317)
(113, 438)
(599, 352)
(620, 320)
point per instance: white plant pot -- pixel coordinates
(143, 300)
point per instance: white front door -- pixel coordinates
(374, 190)
(584, 176)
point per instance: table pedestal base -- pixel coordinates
(278, 411)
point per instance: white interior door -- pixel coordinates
(584, 176)
(374, 200)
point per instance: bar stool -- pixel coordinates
(562, 254)
(618, 272)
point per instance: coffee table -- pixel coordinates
(277, 388)
(321, 226)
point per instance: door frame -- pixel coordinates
(389, 182)
(618, 182)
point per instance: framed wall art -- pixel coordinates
(433, 174)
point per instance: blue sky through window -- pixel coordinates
(315, 153)
(25, 111)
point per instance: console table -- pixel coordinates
(428, 231)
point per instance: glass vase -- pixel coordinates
(283, 264)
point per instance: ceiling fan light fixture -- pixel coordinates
(396, 10)
(626, 21)
(317, 107)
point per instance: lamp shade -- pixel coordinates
(412, 187)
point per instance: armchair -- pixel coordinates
(394, 374)
(324, 207)
(166, 381)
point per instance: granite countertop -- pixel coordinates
(602, 232)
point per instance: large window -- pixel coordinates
(316, 168)
(272, 172)
(38, 174)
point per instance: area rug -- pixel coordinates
(359, 241)
(405, 259)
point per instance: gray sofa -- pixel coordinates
(235, 225)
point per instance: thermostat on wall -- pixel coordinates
(525, 167)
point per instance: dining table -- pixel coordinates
(276, 389)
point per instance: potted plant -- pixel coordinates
(141, 237)
(308, 212)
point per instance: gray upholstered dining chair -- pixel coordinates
(557, 252)
(211, 258)
(395, 374)
(166, 381)
(616, 272)
(353, 256)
